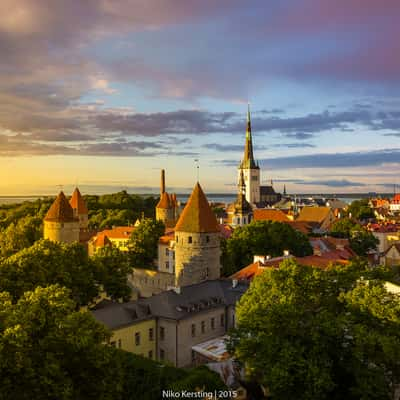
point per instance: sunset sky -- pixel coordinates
(105, 93)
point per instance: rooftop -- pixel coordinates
(197, 216)
(60, 210)
(191, 300)
(78, 203)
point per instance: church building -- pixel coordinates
(256, 195)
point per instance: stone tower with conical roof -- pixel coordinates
(242, 209)
(197, 242)
(80, 210)
(166, 209)
(60, 224)
(251, 171)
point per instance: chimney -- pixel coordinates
(162, 188)
(234, 283)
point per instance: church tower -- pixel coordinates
(60, 224)
(251, 171)
(242, 208)
(197, 242)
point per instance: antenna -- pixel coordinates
(197, 168)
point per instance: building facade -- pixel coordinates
(181, 319)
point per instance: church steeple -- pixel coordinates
(248, 158)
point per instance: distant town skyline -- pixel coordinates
(107, 93)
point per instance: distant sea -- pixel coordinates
(219, 197)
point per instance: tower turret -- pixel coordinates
(197, 241)
(60, 224)
(165, 208)
(80, 210)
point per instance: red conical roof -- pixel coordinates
(197, 215)
(165, 201)
(60, 210)
(78, 203)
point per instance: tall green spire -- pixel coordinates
(248, 158)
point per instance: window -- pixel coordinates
(233, 320)
(162, 354)
(162, 333)
(151, 334)
(167, 252)
(193, 356)
(137, 338)
(119, 343)
(151, 354)
(212, 323)
(203, 326)
(193, 330)
(176, 238)
(114, 343)
(222, 320)
(190, 239)
(167, 265)
(254, 178)
(207, 239)
(207, 272)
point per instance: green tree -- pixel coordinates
(50, 351)
(112, 268)
(68, 265)
(264, 238)
(19, 235)
(47, 263)
(310, 334)
(342, 228)
(143, 243)
(361, 241)
(360, 210)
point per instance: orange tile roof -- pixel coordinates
(102, 240)
(165, 201)
(313, 214)
(167, 237)
(301, 226)
(323, 261)
(197, 215)
(119, 232)
(320, 261)
(60, 210)
(78, 203)
(260, 214)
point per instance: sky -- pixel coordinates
(104, 93)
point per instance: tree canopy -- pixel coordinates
(305, 333)
(48, 350)
(361, 241)
(262, 238)
(68, 265)
(360, 210)
(143, 244)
